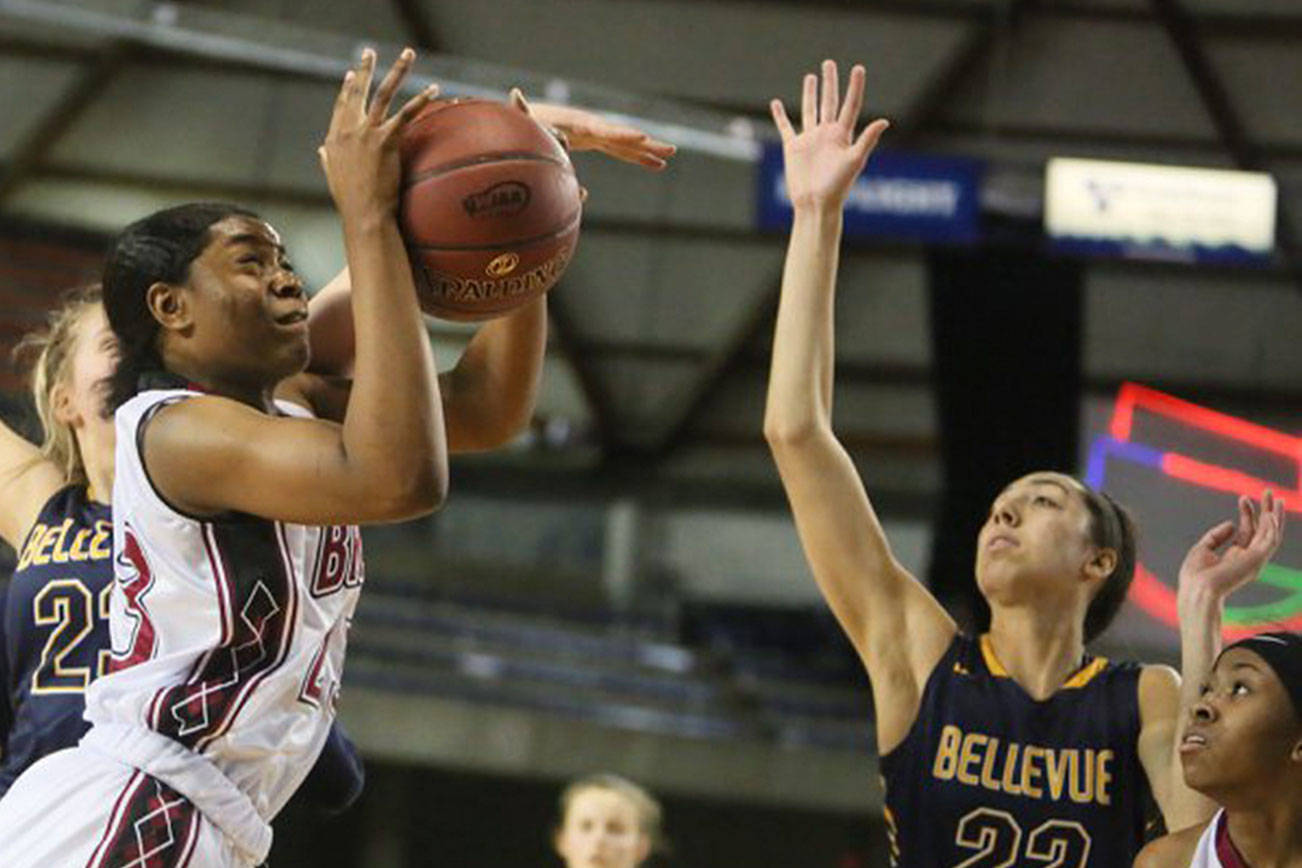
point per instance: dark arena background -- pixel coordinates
(622, 589)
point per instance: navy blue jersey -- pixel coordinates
(55, 627)
(54, 641)
(988, 776)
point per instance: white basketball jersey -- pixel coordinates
(1214, 847)
(228, 632)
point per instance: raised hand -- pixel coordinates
(360, 153)
(825, 157)
(586, 131)
(1227, 557)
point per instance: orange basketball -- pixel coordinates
(489, 209)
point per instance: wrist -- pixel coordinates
(821, 212)
(368, 219)
(818, 205)
(1200, 609)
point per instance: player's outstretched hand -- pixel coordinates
(360, 153)
(1230, 556)
(587, 131)
(825, 157)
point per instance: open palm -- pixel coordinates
(825, 157)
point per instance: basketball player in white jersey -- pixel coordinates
(1243, 748)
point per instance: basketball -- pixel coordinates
(489, 208)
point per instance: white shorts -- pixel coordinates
(80, 809)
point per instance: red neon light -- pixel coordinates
(1123, 411)
(1159, 601)
(1133, 395)
(1223, 479)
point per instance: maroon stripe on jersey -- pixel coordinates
(132, 784)
(219, 578)
(287, 563)
(193, 839)
(1225, 849)
(260, 587)
(155, 829)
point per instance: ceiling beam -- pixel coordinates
(600, 403)
(1225, 23)
(716, 369)
(948, 76)
(29, 153)
(1187, 38)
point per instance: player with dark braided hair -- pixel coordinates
(54, 511)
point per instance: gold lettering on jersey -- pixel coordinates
(101, 546)
(947, 753)
(975, 759)
(969, 756)
(59, 553)
(48, 544)
(1009, 782)
(78, 551)
(1030, 771)
(1103, 777)
(1056, 761)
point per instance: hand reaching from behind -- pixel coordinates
(360, 154)
(825, 157)
(587, 131)
(1228, 557)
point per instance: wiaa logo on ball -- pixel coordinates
(502, 199)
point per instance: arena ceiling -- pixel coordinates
(113, 107)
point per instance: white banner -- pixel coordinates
(1144, 205)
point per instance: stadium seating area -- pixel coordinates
(780, 676)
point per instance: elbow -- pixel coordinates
(420, 491)
(428, 490)
(783, 434)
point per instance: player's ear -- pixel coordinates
(61, 403)
(643, 848)
(1296, 755)
(169, 305)
(1101, 564)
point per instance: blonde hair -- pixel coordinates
(53, 349)
(649, 813)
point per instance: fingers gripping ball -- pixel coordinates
(490, 208)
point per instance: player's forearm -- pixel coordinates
(800, 378)
(330, 327)
(493, 390)
(1201, 612)
(393, 428)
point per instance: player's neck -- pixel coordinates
(256, 395)
(97, 459)
(1269, 836)
(1037, 649)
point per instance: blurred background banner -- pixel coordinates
(923, 197)
(1147, 211)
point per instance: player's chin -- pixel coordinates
(290, 356)
(1201, 769)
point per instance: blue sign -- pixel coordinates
(900, 195)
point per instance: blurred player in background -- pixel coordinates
(1243, 749)
(607, 821)
(1018, 746)
(54, 511)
